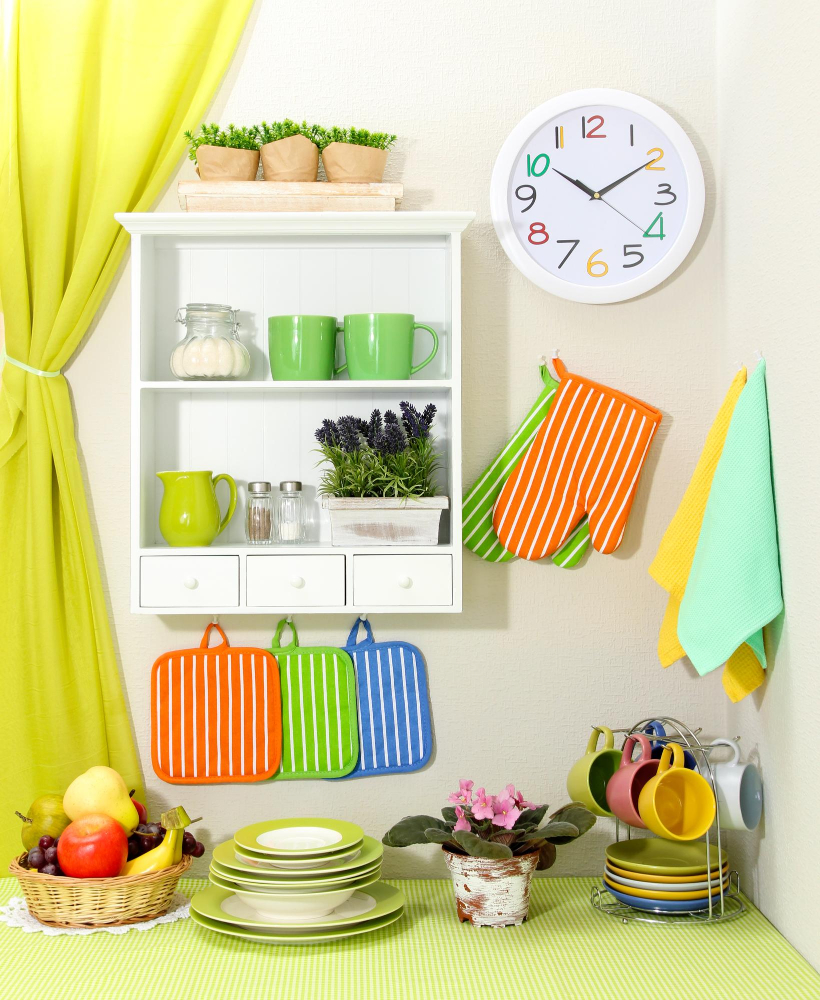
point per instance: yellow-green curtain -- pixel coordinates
(94, 96)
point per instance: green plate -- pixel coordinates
(291, 838)
(224, 882)
(286, 863)
(376, 901)
(329, 881)
(309, 937)
(371, 851)
(654, 856)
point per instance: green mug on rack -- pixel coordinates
(302, 348)
(380, 345)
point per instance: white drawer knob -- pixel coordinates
(405, 582)
(190, 582)
(297, 582)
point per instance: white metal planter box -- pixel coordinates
(384, 520)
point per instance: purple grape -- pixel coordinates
(50, 855)
(134, 847)
(49, 870)
(36, 858)
(142, 828)
(188, 842)
(46, 842)
(199, 850)
(154, 828)
(148, 842)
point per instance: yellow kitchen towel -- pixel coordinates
(673, 561)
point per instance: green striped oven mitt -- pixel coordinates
(477, 508)
(320, 734)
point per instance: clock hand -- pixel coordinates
(609, 187)
(576, 182)
(609, 203)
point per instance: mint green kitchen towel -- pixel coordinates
(477, 509)
(734, 585)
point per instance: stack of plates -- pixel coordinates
(665, 875)
(297, 881)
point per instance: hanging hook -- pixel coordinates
(289, 619)
(363, 617)
(215, 620)
(758, 354)
(556, 352)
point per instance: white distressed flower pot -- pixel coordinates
(490, 892)
(384, 520)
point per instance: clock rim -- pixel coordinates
(503, 223)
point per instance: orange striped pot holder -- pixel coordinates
(586, 458)
(216, 714)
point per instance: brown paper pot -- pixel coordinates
(293, 159)
(349, 164)
(221, 163)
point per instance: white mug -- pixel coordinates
(739, 790)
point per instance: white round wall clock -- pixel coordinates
(597, 195)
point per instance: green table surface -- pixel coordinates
(565, 950)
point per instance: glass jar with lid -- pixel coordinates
(259, 514)
(211, 348)
(290, 513)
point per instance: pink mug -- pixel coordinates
(624, 787)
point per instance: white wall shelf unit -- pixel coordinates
(264, 264)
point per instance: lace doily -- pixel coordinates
(15, 913)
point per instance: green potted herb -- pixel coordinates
(290, 152)
(380, 485)
(354, 155)
(493, 845)
(231, 155)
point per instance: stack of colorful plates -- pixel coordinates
(665, 875)
(297, 881)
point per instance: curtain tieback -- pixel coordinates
(27, 368)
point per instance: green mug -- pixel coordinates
(590, 774)
(302, 348)
(380, 345)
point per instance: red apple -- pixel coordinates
(142, 812)
(94, 846)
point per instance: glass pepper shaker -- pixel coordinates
(259, 515)
(290, 513)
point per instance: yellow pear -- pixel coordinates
(101, 790)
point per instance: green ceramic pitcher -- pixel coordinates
(189, 513)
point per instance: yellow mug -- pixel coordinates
(677, 803)
(588, 777)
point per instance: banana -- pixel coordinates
(169, 851)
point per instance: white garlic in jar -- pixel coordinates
(212, 348)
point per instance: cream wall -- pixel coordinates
(539, 654)
(769, 82)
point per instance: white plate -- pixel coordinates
(299, 838)
(356, 906)
(297, 863)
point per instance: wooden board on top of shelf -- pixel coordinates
(293, 196)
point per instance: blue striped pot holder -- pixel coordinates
(395, 733)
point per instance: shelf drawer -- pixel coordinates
(403, 581)
(189, 581)
(297, 581)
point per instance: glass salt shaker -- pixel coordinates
(290, 513)
(259, 515)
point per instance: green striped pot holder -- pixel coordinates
(320, 735)
(477, 508)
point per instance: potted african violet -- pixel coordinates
(231, 155)
(380, 487)
(493, 844)
(354, 155)
(290, 152)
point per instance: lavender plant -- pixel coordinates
(385, 456)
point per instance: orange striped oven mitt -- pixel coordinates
(216, 714)
(586, 458)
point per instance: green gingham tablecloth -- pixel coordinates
(566, 950)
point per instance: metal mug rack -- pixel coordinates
(729, 904)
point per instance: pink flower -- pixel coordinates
(483, 805)
(464, 795)
(462, 823)
(510, 793)
(506, 813)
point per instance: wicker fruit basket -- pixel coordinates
(59, 901)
